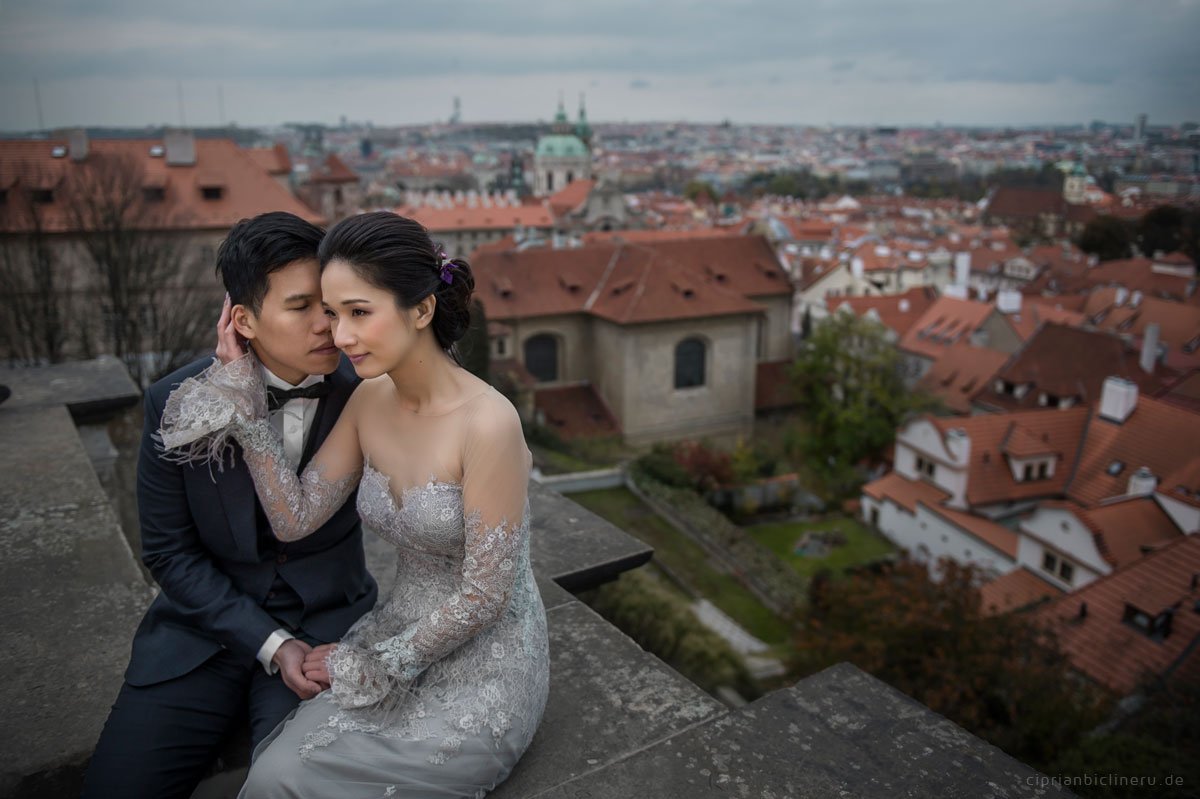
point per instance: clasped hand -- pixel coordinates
(302, 667)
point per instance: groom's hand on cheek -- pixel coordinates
(290, 659)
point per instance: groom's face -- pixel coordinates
(290, 334)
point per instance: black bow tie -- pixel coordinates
(276, 397)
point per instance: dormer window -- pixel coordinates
(153, 194)
(42, 196)
(1157, 627)
(925, 466)
(211, 192)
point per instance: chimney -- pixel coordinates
(181, 147)
(1149, 348)
(1135, 299)
(962, 268)
(958, 444)
(1118, 399)
(1142, 482)
(77, 144)
(1122, 295)
(1008, 301)
(856, 267)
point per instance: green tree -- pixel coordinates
(695, 188)
(1107, 237)
(998, 676)
(1160, 229)
(849, 380)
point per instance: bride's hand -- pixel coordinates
(314, 664)
(230, 344)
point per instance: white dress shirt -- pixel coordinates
(293, 419)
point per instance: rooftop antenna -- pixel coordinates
(221, 104)
(179, 89)
(37, 99)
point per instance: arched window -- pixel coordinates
(541, 357)
(549, 180)
(689, 363)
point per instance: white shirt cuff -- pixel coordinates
(268, 650)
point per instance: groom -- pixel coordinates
(225, 640)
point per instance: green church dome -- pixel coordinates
(561, 145)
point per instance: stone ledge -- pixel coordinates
(90, 389)
(838, 733)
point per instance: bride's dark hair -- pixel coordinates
(396, 254)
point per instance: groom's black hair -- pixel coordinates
(257, 247)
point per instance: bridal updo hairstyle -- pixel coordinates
(396, 254)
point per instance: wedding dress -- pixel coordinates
(438, 691)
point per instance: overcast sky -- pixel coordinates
(121, 62)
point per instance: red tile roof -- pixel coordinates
(947, 321)
(1023, 203)
(623, 284)
(1155, 436)
(1066, 361)
(247, 189)
(570, 197)
(333, 170)
(904, 492)
(1178, 323)
(1115, 652)
(273, 159)
(463, 217)
(576, 412)
(654, 235)
(1026, 321)
(897, 312)
(961, 373)
(1015, 590)
(989, 476)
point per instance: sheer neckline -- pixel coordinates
(452, 408)
(398, 498)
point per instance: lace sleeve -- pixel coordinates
(495, 482)
(229, 401)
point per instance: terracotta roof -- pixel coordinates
(961, 373)
(570, 197)
(576, 411)
(745, 264)
(897, 312)
(623, 284)
(947, 321)
(1015, 590)
(654, 235)
(1026, 321)
(989, 476)
(1178, 322)
(246, 188)
(1135, 274)
(997, 536)
(1066, 361)
(273, 159)
(1153, 436)
(333, 170)
(808, 229)
(1022, 203)
(772, 386)
(1185, 393)
(1115, 652)
(463, 217)
(1127, 528)
(904, 492)
(1183, 484)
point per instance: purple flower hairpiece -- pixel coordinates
(444, 271)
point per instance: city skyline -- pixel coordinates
(133, 63)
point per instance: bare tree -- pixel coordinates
(156, 308)
(35, 290)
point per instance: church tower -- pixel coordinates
(564, 154)
(1075, 183)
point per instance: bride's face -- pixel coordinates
(374, 332)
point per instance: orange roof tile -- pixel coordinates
(463, 217)
(989, 476)
(1183, 484)
(961, 373)
(904, 492)
(1115, 652)
(333, 170)
(653, 235)
(1155, 436)
(1034, 314)
(995, 535)
(1015, 590)
(1178, 322)
(1069, 362)
(944, 323)
(247, 189)
(570, 197)
(897, 312)
(273, 159)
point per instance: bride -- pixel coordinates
(438, 691)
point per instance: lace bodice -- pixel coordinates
(460, 646)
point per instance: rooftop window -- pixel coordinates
(1115, 468)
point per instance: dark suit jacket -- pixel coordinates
(200, 540)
